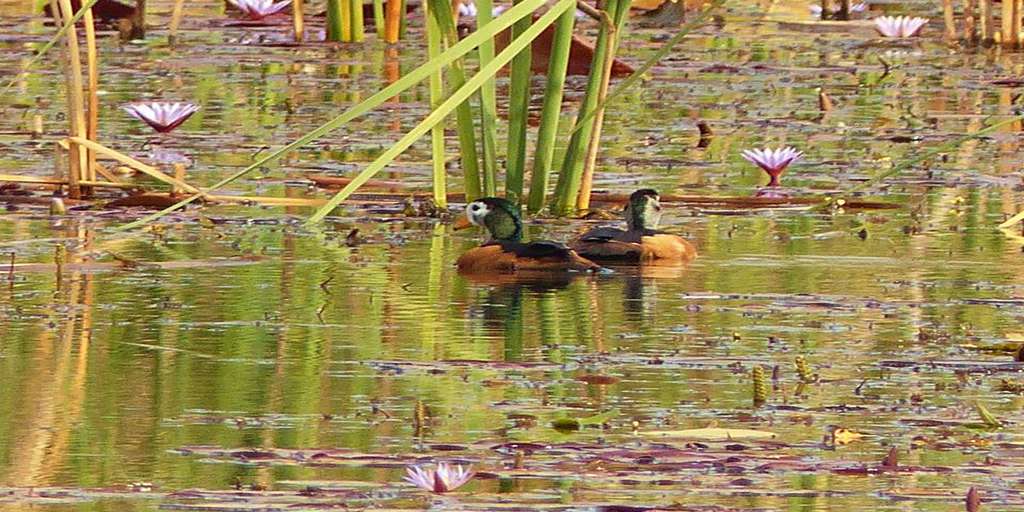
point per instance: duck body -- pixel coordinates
(505, 252)
(508, 257)
(640, 242)
(634, 246)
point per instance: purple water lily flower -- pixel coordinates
(445, 477)
(898, 26)
(162, 116)
(259, 9)
(773, 161)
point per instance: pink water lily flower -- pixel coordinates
(445, 477)
(855, 8)
(898, 26)
(773, 161)
(162, 116)
(259, 9)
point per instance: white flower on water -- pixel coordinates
(162, 116)
(855, 8)
(898, 26)
(441, 479)
(259, 9)
(773, 161)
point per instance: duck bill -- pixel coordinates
(462, 223)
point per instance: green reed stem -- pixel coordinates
(405, 82)
(488, 105)
(553, 92)
(518, 113)
(335, 21)
(358, 31)
(441, 10)
(572, 165)
(378, 17)
(594, 144)
(403, 21)
(434, 37)
(457, 98)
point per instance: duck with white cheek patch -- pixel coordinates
(505, 252)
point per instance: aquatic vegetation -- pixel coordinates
(162, 116)
(440, 479)
(773, 161)
(899, 26)
(259, 9)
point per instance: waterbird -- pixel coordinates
(640, 241)
(505, 252)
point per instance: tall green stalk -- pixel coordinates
(404, 83)
(575, 156)
(378, 17)
(358, 31)
(458, 97)
(518, 112)
(335, 28)
(434, 37)
(553, 92)
(441, 10)
(488, 105)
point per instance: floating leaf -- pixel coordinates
(986, 416)
(712, 434)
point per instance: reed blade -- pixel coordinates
(446, 108)
(547, 133)
(518, 113)
(461, 48)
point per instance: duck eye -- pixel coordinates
(475, 207)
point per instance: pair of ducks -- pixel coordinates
(506, 252)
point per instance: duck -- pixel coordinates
(641, 241)
(505, 252)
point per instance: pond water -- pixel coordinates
(238, 360)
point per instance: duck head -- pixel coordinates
(498, 216)
(643, 211)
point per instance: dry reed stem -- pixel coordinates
(179, 174)
(92, 66)
(1016, 23)
(176, 13)
(297, 20)
(969, 34)
(948, 19)
(76, 115)
(392, 21)
(587, 180)
(153, 172)
(985, 15)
